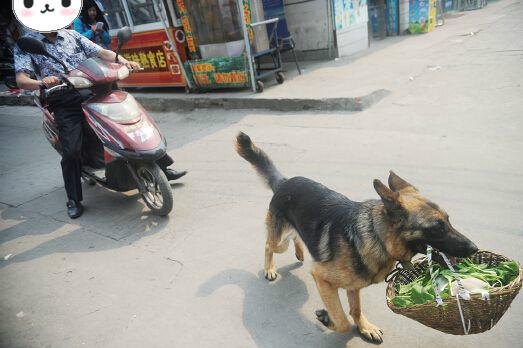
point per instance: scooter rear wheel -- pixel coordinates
(158, 195)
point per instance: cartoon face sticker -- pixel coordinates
(46, 15)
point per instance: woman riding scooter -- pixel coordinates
(70, 48)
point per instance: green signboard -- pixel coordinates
(224, 72)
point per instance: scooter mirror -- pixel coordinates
(30, 45)
(124, 35)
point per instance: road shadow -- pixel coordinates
(272, 311)
(122, 218)
(99, 228)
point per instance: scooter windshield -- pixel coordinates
(125, 111)
(99, 70)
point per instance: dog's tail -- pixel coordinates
(260, 161)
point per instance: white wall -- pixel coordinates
(352, 40)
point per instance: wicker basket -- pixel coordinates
(480, 315)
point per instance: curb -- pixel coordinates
(170, 103)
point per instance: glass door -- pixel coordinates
(216, 27)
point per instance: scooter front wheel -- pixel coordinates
(158, 194)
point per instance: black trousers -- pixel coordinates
(70, 121)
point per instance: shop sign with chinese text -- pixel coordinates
(213, 73)
(155, 55)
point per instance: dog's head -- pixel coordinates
(419, 221)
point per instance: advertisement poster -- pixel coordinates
(349, 13)
(422, 16)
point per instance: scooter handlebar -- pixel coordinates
(62, 85)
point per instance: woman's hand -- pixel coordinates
(51, 81)
(130, 64)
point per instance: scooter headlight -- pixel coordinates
(125, 111)
(123, 73)
(79, 82)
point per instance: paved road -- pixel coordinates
(119, 277)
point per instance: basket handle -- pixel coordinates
(392, 275)
(437, 294)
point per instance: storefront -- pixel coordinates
(215, 42)
(396, 17)
(150, 46)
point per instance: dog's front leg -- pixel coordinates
(368, 330)
(334, 317)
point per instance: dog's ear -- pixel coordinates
(389, 197)
(396, 183)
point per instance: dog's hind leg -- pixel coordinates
(274, 244)
(334, 317)
(368, 330)
(298, 248)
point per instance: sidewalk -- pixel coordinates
(349, 84)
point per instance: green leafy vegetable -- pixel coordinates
(421, 291)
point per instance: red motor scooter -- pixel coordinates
(121, 141)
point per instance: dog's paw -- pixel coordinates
(323, 317)
(372, 333)
(271, 275)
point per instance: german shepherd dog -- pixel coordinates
(353, 244)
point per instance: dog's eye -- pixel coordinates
(28, 3)
(66, 3)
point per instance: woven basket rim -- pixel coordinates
(502, 290)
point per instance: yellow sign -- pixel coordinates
(151, 59)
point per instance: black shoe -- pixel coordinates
(172, 174)
(74, 209)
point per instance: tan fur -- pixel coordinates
(329, 294)
(278, 235)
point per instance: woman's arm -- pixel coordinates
(79, 27)
(24, 81)
(111, 56)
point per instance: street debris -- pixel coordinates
(7, 257)
(434, 68)
(20, 314)
(472, 33)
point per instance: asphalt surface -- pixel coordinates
(120, 277)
